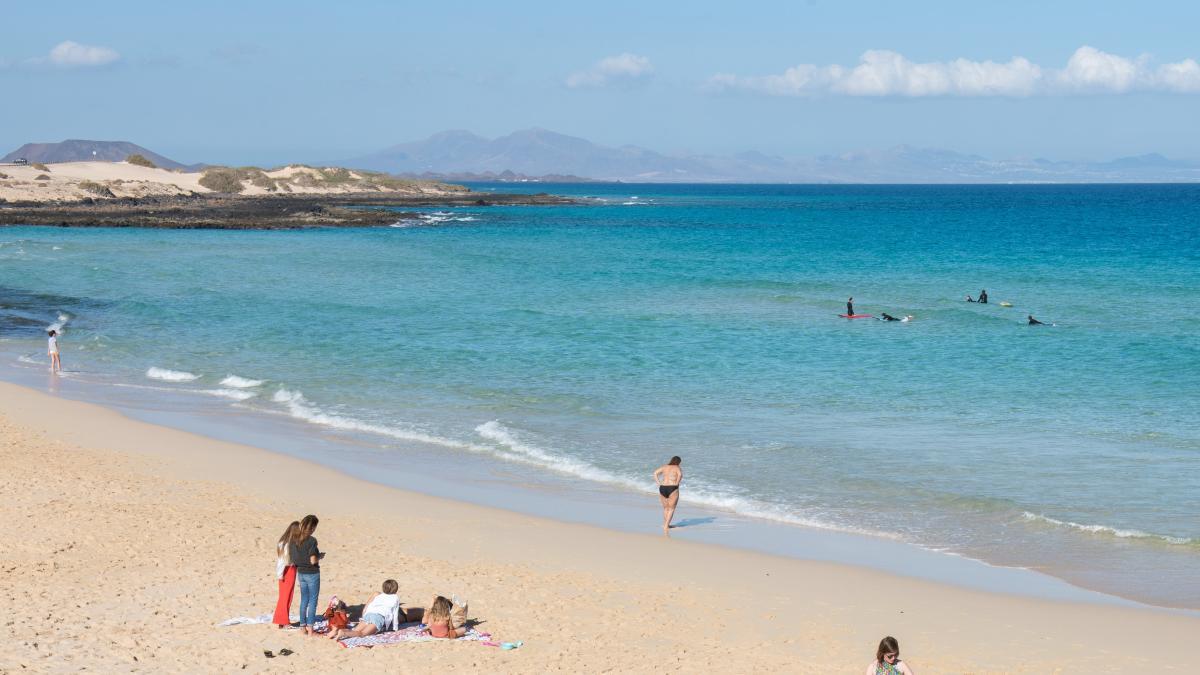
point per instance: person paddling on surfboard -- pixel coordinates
(850, 307)
(1035, 322)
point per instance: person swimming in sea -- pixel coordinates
(668, 476)
(983, 296)
(970, 299)
(1035, 322)
(884, 316)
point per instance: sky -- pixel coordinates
(268, 82)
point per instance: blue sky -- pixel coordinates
(270, 82)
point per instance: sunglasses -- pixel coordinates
(890, 657)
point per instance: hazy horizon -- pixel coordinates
(1075, 81)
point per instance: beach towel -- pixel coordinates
(412, 632)
(265, 618)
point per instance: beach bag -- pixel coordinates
(338, 619)
(336, 614)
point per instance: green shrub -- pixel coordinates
(42, 177)
(264, 181)
(40, 167)
(96, 189)
(139, 160)
(222, 179)
(337, 175)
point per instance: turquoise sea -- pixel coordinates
(592, 342)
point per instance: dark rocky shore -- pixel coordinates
(272, 212)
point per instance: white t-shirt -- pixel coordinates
(384, 604)
(53, 344)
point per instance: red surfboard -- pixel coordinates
(856, 316)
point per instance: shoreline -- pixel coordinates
(260, 212)
(496, 482)
(492, 482)
(719, 605)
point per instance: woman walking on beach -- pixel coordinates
(285, 573)
(668, 476)
(307, 559)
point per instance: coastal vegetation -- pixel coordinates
(223, 179)
(139, 160)
(96, 188)
(40, 167)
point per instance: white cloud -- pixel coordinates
(886, 73)
(70, 54)
(620, 68)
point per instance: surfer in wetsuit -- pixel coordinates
(850, 307)
(887, 317)
(983, 297)
(1035, 322)
(970, 299)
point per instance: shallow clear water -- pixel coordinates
(598, 340)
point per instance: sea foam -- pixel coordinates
(165, 375)
(240, 382)
(704, 495)
(1105, 529)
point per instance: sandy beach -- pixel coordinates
(129, 542)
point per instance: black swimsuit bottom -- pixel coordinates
(667, 490)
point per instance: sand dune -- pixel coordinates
(76, 181)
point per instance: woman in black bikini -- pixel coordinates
(668, 476)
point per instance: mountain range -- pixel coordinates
(538, 152)
(76, 150)
(542, 155)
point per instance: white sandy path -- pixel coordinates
(64, 179)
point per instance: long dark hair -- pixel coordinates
(307, 526)
(888, 645)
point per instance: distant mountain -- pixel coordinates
(502, 177)
(533, 152)
(539, 154)
(75, 150)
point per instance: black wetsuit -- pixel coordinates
(849, 309)
(1035, 322)
(889, 317)
(983, 297)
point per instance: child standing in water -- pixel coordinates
(52, 351)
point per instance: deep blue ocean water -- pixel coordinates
(597, 340)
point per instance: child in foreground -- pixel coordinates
(380, 614)
(887, 659)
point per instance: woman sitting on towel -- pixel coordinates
(446, 619)
(382, 613)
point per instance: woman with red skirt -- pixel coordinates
(285, 572)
